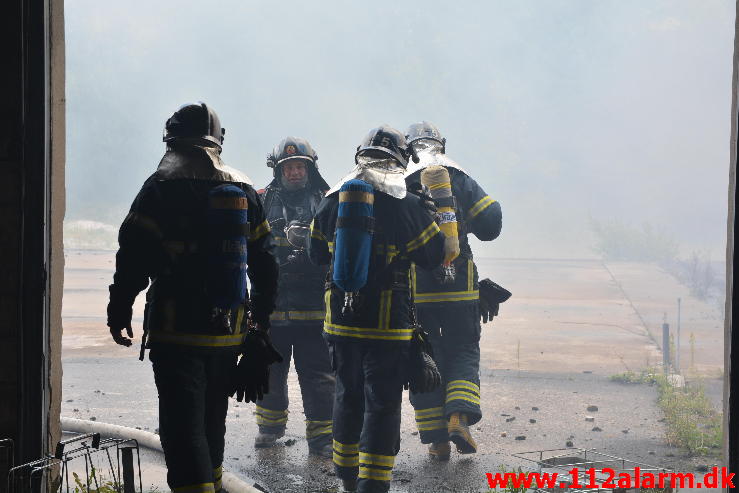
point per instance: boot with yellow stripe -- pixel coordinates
(459, 433)
(440, 451)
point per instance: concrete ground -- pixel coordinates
(567, 328)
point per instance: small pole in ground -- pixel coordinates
(677, 344)
(666, 347)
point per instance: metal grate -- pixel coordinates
(82, 464)
(563, 460)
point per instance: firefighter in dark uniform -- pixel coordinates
(196, 230)
(448, 305)
(368, 332)
(290, 202)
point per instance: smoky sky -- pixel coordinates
(561, 110)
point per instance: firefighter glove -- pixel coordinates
(491, 296)
(251, 379)
(423, 375)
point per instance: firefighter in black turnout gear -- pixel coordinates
(369, 230)
(196, 229)
(290, 202)
(448, 297)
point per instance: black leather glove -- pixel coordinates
(251, 379)
(491, 296)
(423, 193)
(120, 312)
(423, 374)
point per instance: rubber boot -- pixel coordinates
(440, 450)
(349, 485)
(326, 451)
(459, 433)
(267, 440)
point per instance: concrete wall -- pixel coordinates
(57, 205)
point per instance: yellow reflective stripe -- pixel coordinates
(239, 319)
(145, 222)
(438, 186)
(325, 430)
(423, 238)
(327, 304)
(346, 448)
(463, 384)
(218, 478)
(235, 203)
(357, 196)
(325, 421)
(362, 333)
(342, 461)
(315, 232)
(261, 420)
(306, 315)
(385, 303)
(447, 296)
(429, 412)
(185, 339)
(470, 275)
(273, 413)
(376, 459)
(464, 396)
(195, 488)
(298, 315)
(331, 247)
(376, 474)
(438, 424)
(480, 206)
(259, 231)
(280, 241)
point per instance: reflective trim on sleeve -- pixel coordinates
(423, 238)
(144, 222)
(259, 231)
(470, 275)
(315, 232)
(196, 340)
(480, 206)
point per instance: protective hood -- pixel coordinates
(430, 154)
(315, 180)
(197, 163)
(385, 175)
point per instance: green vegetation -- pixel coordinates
(691, 420)
(615, 240)
(97, 485)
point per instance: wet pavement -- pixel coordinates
(567, 328)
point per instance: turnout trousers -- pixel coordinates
(193, 400)
(454, 333)
(369, 391)
(305, 343)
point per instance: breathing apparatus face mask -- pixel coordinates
(385, 164)
(427, 145)
(297, 234)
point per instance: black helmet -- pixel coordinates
(296, 148)
(197, 122)
(426, 131)
(385, 141)
(292, 148)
